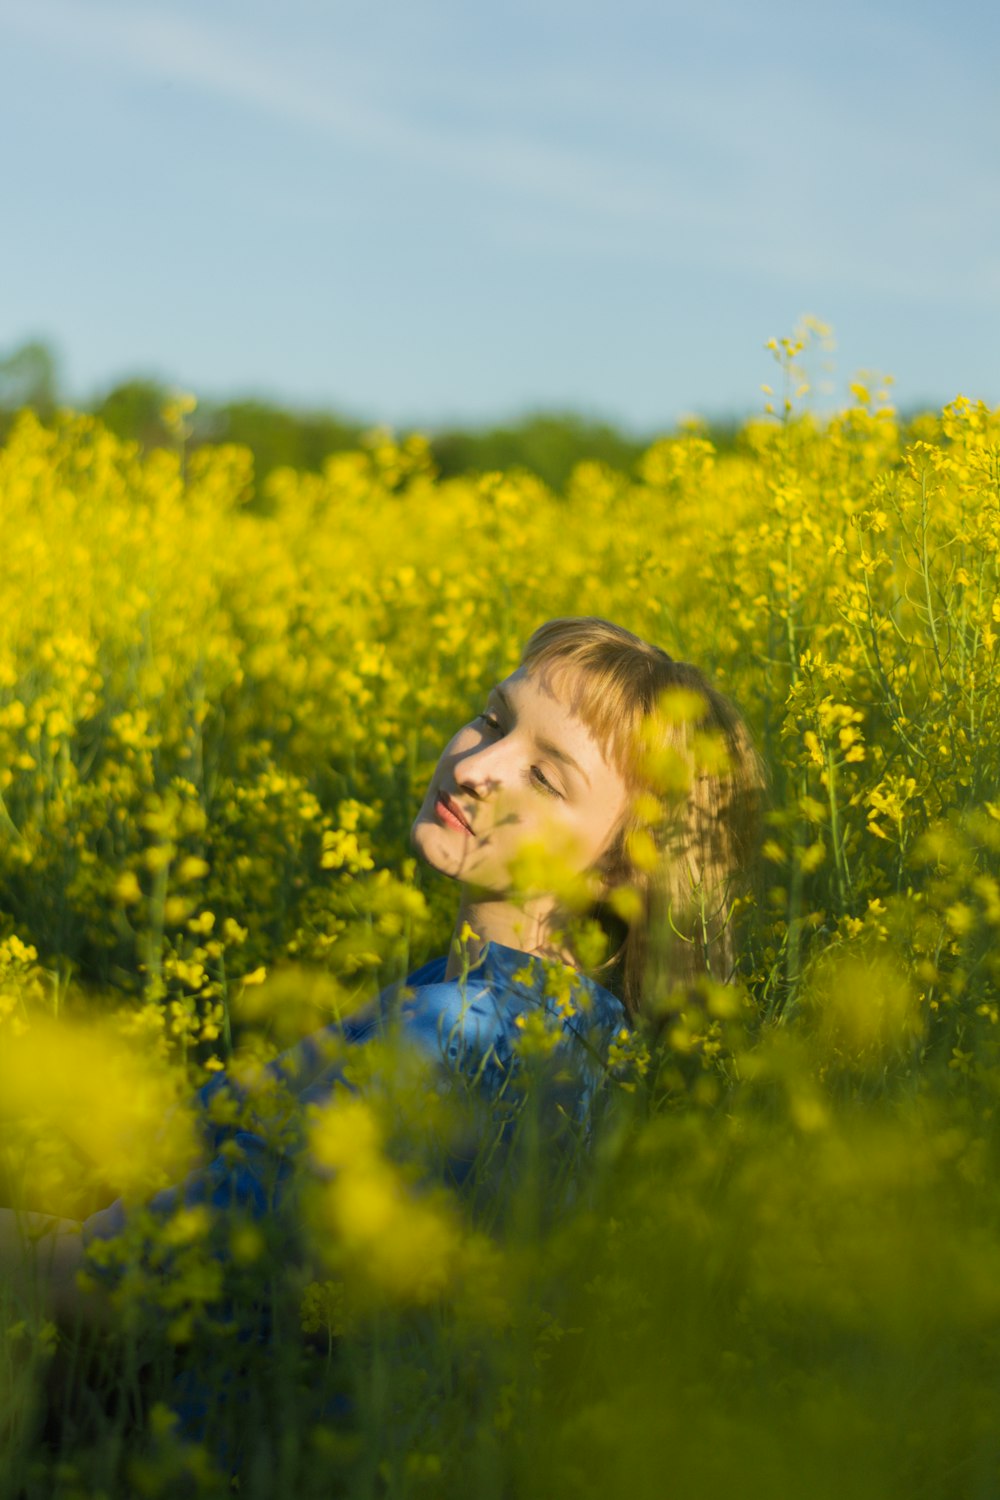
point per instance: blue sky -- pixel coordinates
(437, 211)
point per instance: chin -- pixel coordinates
(445, 851)
(430, 843)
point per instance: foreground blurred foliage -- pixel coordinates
(219, 705)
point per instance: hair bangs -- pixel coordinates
(616, 678)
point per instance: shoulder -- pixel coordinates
(568, 1000)
(431, 972)
(554, 981)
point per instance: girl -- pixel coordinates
(604, 797)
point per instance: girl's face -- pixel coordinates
(525, 769)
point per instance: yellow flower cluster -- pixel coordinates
(219, 706)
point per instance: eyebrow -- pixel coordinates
(546, 746)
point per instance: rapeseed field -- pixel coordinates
(220, 703)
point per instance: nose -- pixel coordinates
(480, 772)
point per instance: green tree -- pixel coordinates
(133, 410)
(277, 437)
(549, 444)
(29, 377)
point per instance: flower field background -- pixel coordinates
(219, 708)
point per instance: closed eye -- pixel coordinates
(542, 781)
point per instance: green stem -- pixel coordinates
(926, 573)
(840, 863)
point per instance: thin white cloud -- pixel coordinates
(814, 213)
(180, 51)
(177, 50)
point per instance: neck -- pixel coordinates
(531, 928)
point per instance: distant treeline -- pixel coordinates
(548, 444)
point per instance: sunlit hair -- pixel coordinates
(683, 854)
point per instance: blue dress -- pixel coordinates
(463, 1035)
(468, 1031)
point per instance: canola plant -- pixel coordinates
(219, 707)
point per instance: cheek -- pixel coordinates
(445, 762)
(598, 831)
(467, 738)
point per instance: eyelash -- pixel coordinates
(542, 783)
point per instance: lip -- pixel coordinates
(449, 812)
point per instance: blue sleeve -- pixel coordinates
(252, 1138)
(249, 1176)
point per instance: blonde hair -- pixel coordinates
(684, 851)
